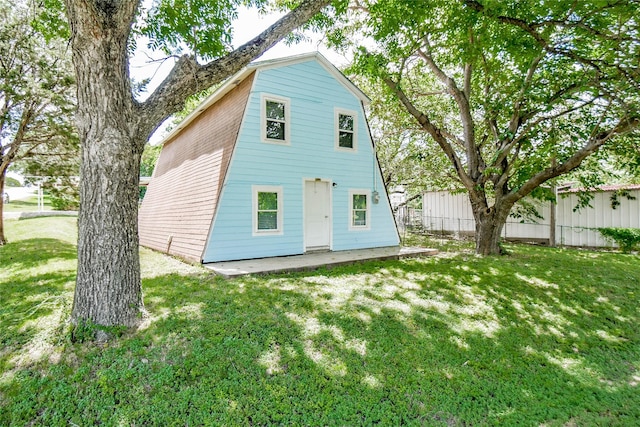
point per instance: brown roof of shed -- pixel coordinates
(610, 187)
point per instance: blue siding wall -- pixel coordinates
(314, 93)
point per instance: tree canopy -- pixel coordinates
(36, 96)
(515, 93)
(401, 145)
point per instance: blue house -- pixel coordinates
(278, 161)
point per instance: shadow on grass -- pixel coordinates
(36, 282)
(447, 341)
(31, 253)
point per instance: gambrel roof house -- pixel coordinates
(278, 161)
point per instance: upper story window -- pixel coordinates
(275, 119)
(346, 130)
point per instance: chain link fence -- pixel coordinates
(411, 219)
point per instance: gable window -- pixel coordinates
(275, 119)
(345, 128)
(267, 209)
(359, 212)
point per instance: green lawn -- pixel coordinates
(27, 205)
(542, 337)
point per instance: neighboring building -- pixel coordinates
(397, 196)
(611, 206)
(278, 161)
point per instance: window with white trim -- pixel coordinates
(267, 209)
(275, 119)
(359, 210)
(345, 130)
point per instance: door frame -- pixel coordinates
(329, 183)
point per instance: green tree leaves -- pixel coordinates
(199, 26)
(626, 238)
(36, 93)
(515, 93)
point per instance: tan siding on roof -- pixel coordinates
(181, 198)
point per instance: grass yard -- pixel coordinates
(29, 204)
(543, 337)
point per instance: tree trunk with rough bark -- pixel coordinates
(3, 239)
(108, 288)
(489, 226)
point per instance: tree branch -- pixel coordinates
(516, 119)
(434, 131)
(468, 71)
(531, 30)
(463, 105)
(625, 125)
(14, 146)
(509, 143)
(410, 199)
(188, 77)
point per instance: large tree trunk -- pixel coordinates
(3, 239)
(489, 224)
(108, 290)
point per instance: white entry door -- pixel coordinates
(317, 215)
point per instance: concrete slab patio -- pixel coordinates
(312, 261)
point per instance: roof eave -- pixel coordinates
(227, 87)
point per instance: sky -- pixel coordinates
(250, 23)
